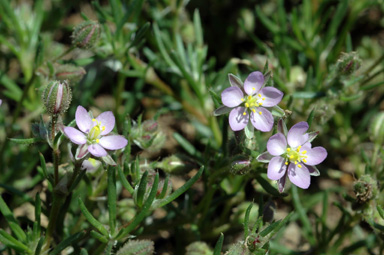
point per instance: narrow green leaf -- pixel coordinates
(186, 145)
(311, 116)
(197, 26)
(25, 141)
(143, 213)
(142, 189)
(381, 211)
(67, 242)
(10, 241)
(36, 227)
(112, 197)
(99, 236)
(15, 226)
(219, 245)
(140, 34)
(268, 187)
(182, 189)
(246, 220)
(39, 245)
(91, 219)
(165, 187)
(124, 180)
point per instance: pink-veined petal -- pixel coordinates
(315, 156)
(237, 120)
(75, 135)
(263, 121)
(277, 144)
(296, 135)
(83, 120)
(272, 96)
(232, 96)
(107, 120)
(299, 176)
(96, 150)
(276, 168)
(113, 142)
(253, 83)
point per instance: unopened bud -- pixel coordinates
(240, 167)
(71, 73)
(150, 126)
(86, 34)
(253, 242)
(137, 247)
(176, 164)
(57, 97)
(376, 130)
(365, 189)
(198, 248)
(348, 63)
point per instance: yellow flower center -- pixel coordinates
(94, 133)
(251, 103)
(295, 156)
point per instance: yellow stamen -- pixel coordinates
(304, 160)
(246, 105)
(288, 149)
(244, 113)
(303, 152)
(286, 163)
(298, 148)
(103, 128)
(259, 95)
(93, 119)
(97, 140)
(263, 98)
(249, 97)
(253, 110)
(295, 162)
(242, 99)
(253, 88)
(299, 166)
(260, 113)
(260, 103)
(291, 156)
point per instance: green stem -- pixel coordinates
(118, 98)
(64, 53)
(56, 151)
(53, 215)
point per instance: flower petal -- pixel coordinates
(107, 120)
(263, 121)
(316, 155)
(83, 120)
(299, 176)
(253, 83)
(296, 135)
(75, 135)
(272, 96)
(113, 142)
(237, 120)
(277, 144)
(232, 96)
(96, 150)
(281, 183)
(276, 168)
(221, 110)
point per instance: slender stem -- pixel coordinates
(56, 151)
(64, 53)
(58, 200)
(118, 96)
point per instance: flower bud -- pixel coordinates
(176, 164)
(86, 34)
(365, 189)
(348, 63)
(254, 242)
(376, 130)
(68, 72)
(137, 247)
(240, 167)
(198, 248)
(57, 97)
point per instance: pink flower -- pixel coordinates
(93, 135)
(292, 155)
(253, 106)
